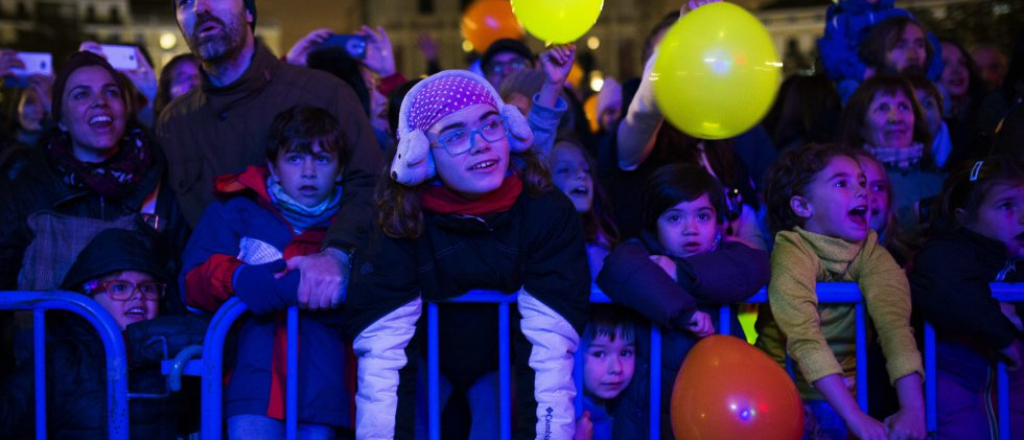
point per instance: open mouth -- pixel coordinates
(691, 246)
(101, 121)
(859, 215)
(136, 313)
(580, 191)
(487, 164)
(207, 27)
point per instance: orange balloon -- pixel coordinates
(729, 390)
(575, 78)
(590, 110)
(486, 21)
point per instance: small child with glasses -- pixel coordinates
(123, 271)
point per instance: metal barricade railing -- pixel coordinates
(1004, 292)
(828, 293)
(110, 335)
(213, 370)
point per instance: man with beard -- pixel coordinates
(221, 127)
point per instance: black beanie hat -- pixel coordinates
(250, 5)
(116, 250)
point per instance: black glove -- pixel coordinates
(149, 341)
(257, 287)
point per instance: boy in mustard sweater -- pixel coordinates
(817, 205)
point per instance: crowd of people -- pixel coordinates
(324, 179)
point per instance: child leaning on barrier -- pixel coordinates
(817, 206)
(466, 204)
(983, 204)
(608, 344)
(677, 274)
(265, 216)
(123, 272)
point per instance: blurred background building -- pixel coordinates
(613, 47)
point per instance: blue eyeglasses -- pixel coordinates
(458, 142)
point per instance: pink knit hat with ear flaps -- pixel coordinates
(433, 99)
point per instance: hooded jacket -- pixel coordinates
(246, 215)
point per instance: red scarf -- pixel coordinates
(442, 200)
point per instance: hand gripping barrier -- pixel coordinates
(828, 293)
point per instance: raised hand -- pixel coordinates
(297, 54)
(701, 325)
(9, 60)
(428, 46)
(380, 58)
(556, 62)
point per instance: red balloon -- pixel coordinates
(729, 390)
(486, 21)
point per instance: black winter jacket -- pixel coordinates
(76, 381)
(949, 284)
(38, 187)
(730, 274)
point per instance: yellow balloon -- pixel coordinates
(717, 72)
(557, 21)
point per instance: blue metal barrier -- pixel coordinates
(213, 369)
(227, 315)
(1004, 292)
(110, 335)
(828, 293)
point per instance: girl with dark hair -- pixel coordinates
(97, 172)
(677, 273)
(373, 77)
(178, 76)
(572, 172)
(807, 110)
(966, 91)
(884, 117)
(983, 204)
(466, 205)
